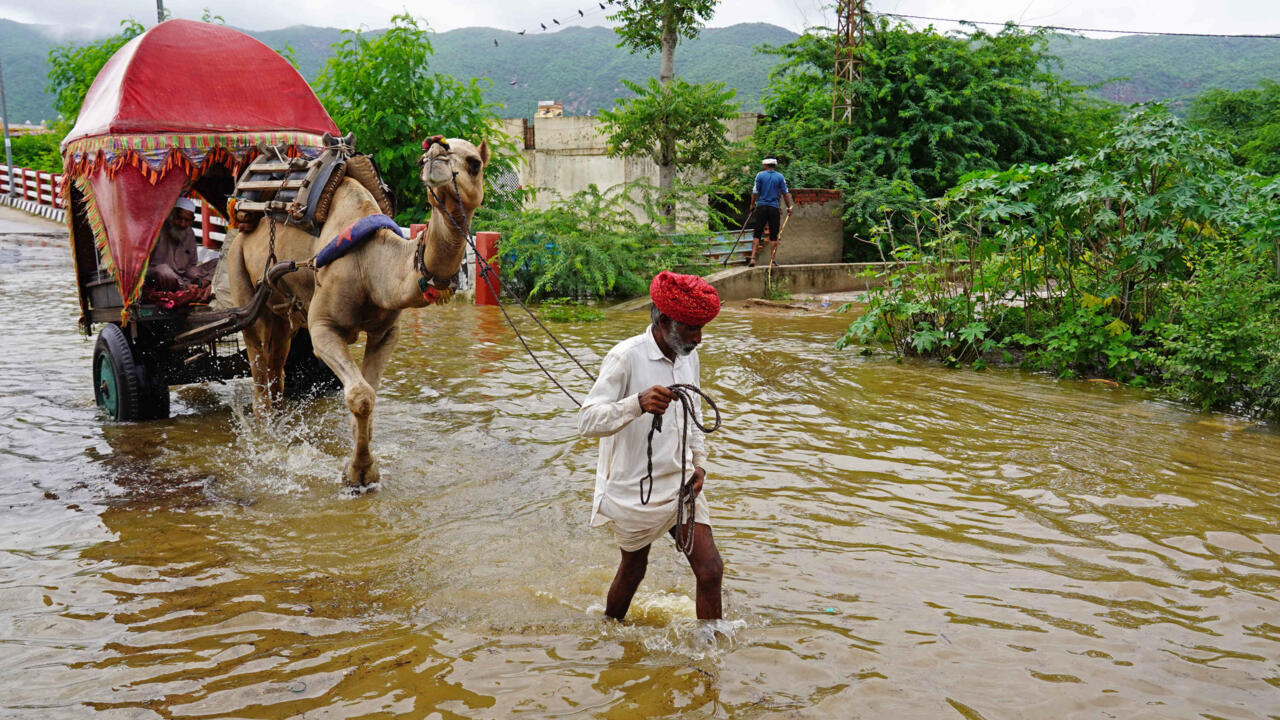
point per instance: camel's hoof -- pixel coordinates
(354, 491)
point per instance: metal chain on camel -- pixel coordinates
(685, 503)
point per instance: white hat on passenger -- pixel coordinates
(185, 204)
(769, 161)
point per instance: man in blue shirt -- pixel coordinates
(770, 186)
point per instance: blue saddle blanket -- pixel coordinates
(349, 239)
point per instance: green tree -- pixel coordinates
(72, 68)
(1247, 119)
(678, 125)
(381, 88)
(673, 123)
(928, 108)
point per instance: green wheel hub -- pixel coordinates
(108, 387)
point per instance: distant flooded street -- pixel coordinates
(901, 540)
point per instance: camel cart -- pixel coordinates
(181, 109)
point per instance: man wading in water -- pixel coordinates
(633, 381)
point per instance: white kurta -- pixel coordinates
(612, 413)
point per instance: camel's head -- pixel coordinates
(444, 160)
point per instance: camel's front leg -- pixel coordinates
(331, 346)
(377, 353)
(267, 344)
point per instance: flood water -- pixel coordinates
(900, 540)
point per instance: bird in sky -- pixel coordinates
(555, 21)
(544, 25)
(495, 42)
(520, 33)
(580, 14)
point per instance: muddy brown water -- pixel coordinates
(900, 541)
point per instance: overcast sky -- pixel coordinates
(1216, 16)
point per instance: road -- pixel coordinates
(17, 222)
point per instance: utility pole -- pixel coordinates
(159, 11)
(8, 146)
(851, 33)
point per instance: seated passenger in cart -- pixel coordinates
(174, 267)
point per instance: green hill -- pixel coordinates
(578, 66)
(23, 52)
(1170, 69)
(581, 66)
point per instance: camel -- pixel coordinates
(362, 291)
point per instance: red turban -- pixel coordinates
(684, 298)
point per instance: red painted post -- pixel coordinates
(206, 227)
(487, 247)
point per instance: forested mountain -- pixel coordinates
(24, 50)
(1170, 69)
(581, 67)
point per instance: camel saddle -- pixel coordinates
(297, 191)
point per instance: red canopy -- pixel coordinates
(183, 76)
(174, 101)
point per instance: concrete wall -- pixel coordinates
(745, 283)
(815, 232)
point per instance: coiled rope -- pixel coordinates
(685, 503)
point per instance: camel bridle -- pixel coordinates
(434, 288)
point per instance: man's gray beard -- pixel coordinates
(175, 235)
(674, 341)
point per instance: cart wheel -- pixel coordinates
(306, 375)
(122, 385)
(115, 375)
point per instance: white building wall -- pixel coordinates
(570, 153)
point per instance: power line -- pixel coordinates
(569, 17)
(1079, 29)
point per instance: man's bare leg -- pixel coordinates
(630, 572)
(755, 245)
(708, 570)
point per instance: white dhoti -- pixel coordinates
(637, 525)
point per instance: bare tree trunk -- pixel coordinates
(667, 150)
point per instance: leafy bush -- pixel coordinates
(1087, 339)
(1146, 261)
(38, 151)
(588, 245)
(1222, 348)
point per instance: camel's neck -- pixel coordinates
(442, 253)
(445, 239)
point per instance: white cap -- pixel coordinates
(185, 204)
(769, 161)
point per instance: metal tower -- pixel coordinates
(851, 32)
